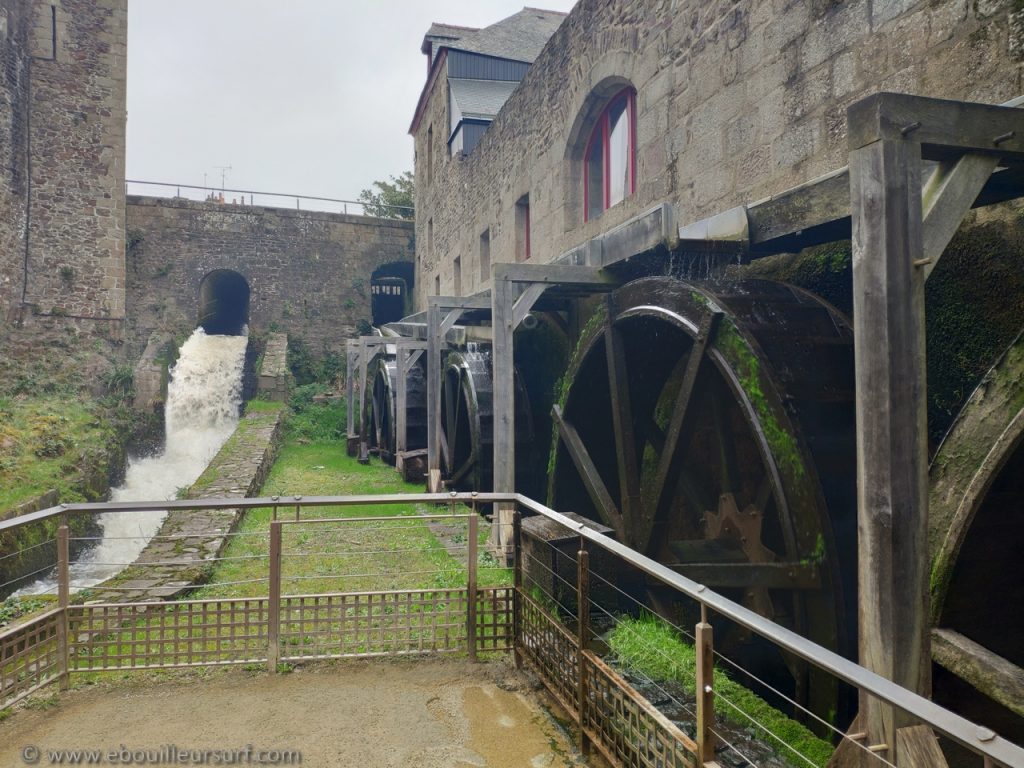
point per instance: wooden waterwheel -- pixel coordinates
(467, 419)
(712, 428)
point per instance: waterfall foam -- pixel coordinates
(203, 399)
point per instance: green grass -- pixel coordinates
(50, 442)
(651, 647)
(402, 547)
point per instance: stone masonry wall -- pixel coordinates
(13, 165)
(735, 101)
(308, 272)
(62, 103)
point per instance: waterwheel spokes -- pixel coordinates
(589, 474)
(637, 518)
(678, 425)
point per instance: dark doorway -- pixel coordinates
(224, 303)
(390, 292)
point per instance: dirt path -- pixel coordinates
(415, 713)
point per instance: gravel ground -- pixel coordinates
(362, 714)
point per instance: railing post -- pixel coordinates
(582, 628)
(63, 600)
(274, 602)
(705, 690)
(517, 585)
(471, 588)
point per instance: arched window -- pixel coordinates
(609, 165)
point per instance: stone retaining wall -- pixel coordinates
(237, 471)
(272, 381)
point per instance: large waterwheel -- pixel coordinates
(713, 429)
(467, 419)
(379, 419)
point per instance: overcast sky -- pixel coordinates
(311, 97)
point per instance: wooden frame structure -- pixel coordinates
(973, 155)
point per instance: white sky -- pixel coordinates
(310, 97)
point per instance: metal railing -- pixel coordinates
(555, 639)
(223, 195)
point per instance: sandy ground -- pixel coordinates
(365, 714)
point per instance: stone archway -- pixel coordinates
(224, 303)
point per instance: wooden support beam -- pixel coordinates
(351, 361)
(941, 127)
(503, 404)
(446, 303)
(433, 396)
(522, 306)
(892, 446)
(999, 679)
(402, 353)
(818, 203)
(744, 574)
(948, 195)
(917, 747)
(564, 274)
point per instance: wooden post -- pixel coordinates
(504, 408)
(402, 353)
(351, 358)
(705, 690)
(471, 555)
(517, 585)
(364, 353)
(274, 602)
(582, 629)
(433, 397)
(892, 468)
(63, 600)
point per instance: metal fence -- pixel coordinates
(563, 601)
(250, 197)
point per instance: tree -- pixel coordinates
(392, 200)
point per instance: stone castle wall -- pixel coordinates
(308, 272)
(62, 104)
(735, 101)
(13, 164)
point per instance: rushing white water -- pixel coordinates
(203, 399)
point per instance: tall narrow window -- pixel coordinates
(485, 255)
(523, 228)
(457, 275)
(430, 154)
(609, 165)
(430, 237)
(437, 285)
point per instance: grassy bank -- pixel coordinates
(53, 442)
(400, 552)
(650, 647)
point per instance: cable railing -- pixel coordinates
(228, 197)
(329, 581)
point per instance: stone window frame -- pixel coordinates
(599, 98)
(602, 128)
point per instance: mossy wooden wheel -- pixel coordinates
(380, 417)
(678, 427)
(467, 419)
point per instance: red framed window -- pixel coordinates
(609, 165)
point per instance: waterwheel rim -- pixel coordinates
(646, 422)
(460, 419)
